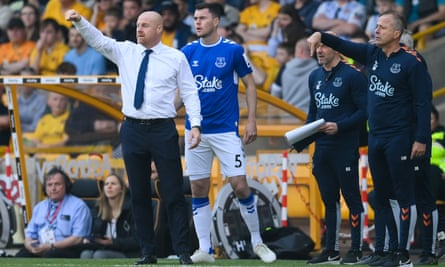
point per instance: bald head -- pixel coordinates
(153, 16)
(149, 29)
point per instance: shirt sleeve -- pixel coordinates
(358, 16)
(189, 92)
(421, 83)
(95, 38)
(82, 220)
(32, 229)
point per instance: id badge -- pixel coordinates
(47, 236)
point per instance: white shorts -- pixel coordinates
(227, 147)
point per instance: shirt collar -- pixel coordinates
(156, 49)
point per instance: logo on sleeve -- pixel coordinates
(318, 85)
(375, 66)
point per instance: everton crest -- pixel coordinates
(220, 62)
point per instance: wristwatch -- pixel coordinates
(53, 247)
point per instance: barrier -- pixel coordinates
(284, 192)
(364, 193)
(8, 185)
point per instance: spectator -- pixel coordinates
(287, 17)
(285, 52)
(112, 19)
(87, 60)
(231, 13)
(5, 129)
(306, 10)
(49, 51)
(113, 233)
(6, 13)
(55, 9)
(58, 223)
(30, 16)
(226, 30)
(421, 14)
(344, 17)
(176, 34)
(100, 8)
(255, 28)
(40, 4)
(371, 25)
(32, 104)
(295, 78)
(66, 68)
(131, 10)
(15, 54)
(255, 23)
(50, 130)
(185, 16)
(87, 125)
(238, 4)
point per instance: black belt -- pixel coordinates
(146, 121)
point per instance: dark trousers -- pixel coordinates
(156, 141)
(335, 170)
(393, 177)
(426, 204)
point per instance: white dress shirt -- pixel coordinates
(168, 70)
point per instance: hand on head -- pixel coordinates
(314, 41)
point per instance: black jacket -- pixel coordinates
(125, 240)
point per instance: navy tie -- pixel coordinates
(140, 85)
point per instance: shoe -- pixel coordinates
(352, 257)
(184, 259)
(146, 259)
(201, 256)
(426, 259)
(441, 249)
(371, 257)
(326, 257)
(399, 259)
(264, 253)
(366, 259)
(380, 258)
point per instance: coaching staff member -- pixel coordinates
(149, 131)
(399, 107)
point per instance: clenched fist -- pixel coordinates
(72, 15)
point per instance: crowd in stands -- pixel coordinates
(35, 38)
(35, 34)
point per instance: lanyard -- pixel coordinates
(53, 218)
